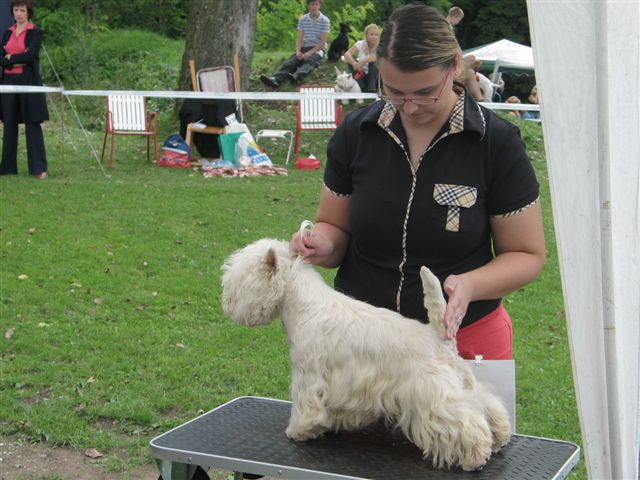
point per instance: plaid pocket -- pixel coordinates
(454, 197)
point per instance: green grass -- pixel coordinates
(118, 334)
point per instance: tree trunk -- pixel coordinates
(216, 29)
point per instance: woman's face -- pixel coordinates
(373, 37)
(433, 82)
(20, 13)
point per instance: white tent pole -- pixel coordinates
(587, 57)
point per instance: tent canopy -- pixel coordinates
(504, 54)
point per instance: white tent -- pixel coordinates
(588, 69)
(504, 54)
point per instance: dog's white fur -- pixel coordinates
(346, 83)
(353, 363)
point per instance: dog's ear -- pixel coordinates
(271, 259)
(338, 72)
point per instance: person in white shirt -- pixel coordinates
(361, 59)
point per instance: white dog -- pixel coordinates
(353, 363)
(346, 83)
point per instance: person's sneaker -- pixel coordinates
(269, 81)
(42, 175)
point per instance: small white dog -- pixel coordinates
(346, 83)
(353, 363)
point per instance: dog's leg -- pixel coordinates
(497, 416)
(309, 417)
(463, 434)
(453, 432)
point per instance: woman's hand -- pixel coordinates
(459, 292)
(311, 245)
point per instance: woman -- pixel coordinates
(361, 59)
(428, 177)
(20, 49)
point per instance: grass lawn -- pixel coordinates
(110, 285)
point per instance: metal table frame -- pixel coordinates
(247, 435)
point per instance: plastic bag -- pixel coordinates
(247, 152)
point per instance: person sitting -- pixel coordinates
(513, 99)
(313, 31)
(361, 59)
(479, 86)
(533, 98)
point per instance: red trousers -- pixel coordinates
(491, 337)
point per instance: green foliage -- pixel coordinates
(165, 17)
(115, 59)
(277, 24)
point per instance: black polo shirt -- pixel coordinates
(475, 168)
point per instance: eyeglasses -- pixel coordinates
(416, 99)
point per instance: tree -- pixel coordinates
(216, 29)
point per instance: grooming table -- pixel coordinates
(247, 435)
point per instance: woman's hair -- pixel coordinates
(417, 37)
(24, 3)
(371, 26)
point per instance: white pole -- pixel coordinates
(587, 58)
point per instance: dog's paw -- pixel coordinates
(302, 435)
(475, 459)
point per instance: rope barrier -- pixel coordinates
(258, 96)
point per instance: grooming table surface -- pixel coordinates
(247, 435)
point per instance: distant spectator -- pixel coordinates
(513, 99)
(19, 65)
(533, 99)
(361, 59)
(313, 31)
(476, 83)
(454, 17)
(467, 78)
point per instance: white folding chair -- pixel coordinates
(316, 113)
(127, 115)
(277, 134)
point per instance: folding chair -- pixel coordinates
(127, 115)
(316, 113)
(280, 134)
(220, 79)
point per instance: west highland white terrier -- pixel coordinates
(346, 83)
(353, 363)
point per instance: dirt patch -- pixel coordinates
(21, 460)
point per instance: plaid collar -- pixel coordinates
(466, 115)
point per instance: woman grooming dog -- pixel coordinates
(426, 176)
(361, 59)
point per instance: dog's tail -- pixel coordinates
(433, 299)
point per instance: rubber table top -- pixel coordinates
(247, 435)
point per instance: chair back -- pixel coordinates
(216, 79)
(318, 113)
(127, 112)
(219, 80)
